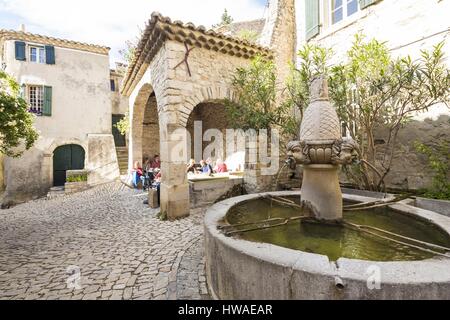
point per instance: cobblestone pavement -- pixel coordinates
(103, 243)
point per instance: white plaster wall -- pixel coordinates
(119, 102)
(81, 106)
(398, 22)
(81, 91)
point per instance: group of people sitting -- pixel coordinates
(206, 167)
(148, 174)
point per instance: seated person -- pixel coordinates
(157, 185)
(156, 163)
(137, 173)
(205, 168)
(147, 164)
(191, 167)
(220, 167)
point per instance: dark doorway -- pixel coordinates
(119, 139)
(67, 157)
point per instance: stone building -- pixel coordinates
(67, 84)
(118, 111)
(407, 27)
(181, 71)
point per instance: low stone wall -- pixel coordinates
(76, 186)
(365, 193)
(439, 206)
(210, 190)
(73, 187)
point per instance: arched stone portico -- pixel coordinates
(184, 66)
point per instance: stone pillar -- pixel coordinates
(280, 34)
(256, 176)
(174, 184)
(321, 192)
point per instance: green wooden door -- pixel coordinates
(67, 157)
(119, 139)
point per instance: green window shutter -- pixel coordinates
(49, 54)
(312, 18)
(47, 111)
(20, 50)
(365, 3)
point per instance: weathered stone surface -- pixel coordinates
(102, 165)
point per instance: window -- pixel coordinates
(36, 99)
(340, 9)
(37, 54)
(113, 85)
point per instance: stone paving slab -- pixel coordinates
(103, 243)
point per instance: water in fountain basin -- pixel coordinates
(336, 241)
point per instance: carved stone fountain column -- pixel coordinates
(321, 150)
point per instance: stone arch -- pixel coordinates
(144, 126)
(60, 142)
(207, 105)
(47, 161)
(213, 94)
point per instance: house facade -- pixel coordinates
(119, 109)
(68, 87)
(407, 27)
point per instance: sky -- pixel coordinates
(112, 22)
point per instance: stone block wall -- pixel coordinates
(74, 187)
(150, 130)
(212, 116)
(410, 169)
(204, 193)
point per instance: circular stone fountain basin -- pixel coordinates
(310, 261)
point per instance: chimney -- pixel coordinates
(22, 27)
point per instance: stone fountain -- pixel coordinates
(257, 250)
(321, 150)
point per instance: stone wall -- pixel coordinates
(150, 130)
(101, 162)
(205, 193)
(119, 102)
(279, 34)
(212, 116)
(410, 170)
(2, 183)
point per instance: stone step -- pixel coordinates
(122, 159)
(55, 192)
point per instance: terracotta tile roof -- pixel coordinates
(161, 29)
(62, 43)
